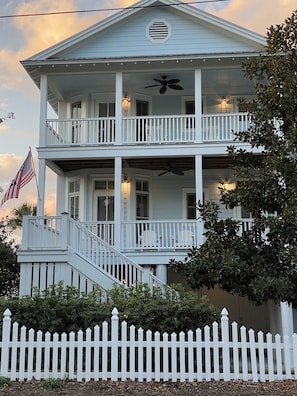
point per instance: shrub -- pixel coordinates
(4, 381)
(52, 383)
(60, 309)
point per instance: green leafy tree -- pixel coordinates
(19, 212)
(9, 268)
(260, 263)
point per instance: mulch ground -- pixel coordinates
(108, 388)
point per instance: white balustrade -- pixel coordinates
(221, 127)
(145, 129)
(83, 131)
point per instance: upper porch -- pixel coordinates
(119, 108)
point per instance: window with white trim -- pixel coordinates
(142, 199)
(73, 200)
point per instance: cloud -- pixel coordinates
(254, 14)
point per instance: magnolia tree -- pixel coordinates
(260, 263)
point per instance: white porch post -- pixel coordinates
(161, 272)
(117, 202)
(43, 110)
(41, 187)
(198, 107)
(42, 143)
(118, 108)
(286, 314)
(199, 194)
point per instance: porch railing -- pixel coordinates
(154, 235)
(158, 129)
(221, 127)
(49, 233)
(159, 235)
(145, 130)
(83, 131)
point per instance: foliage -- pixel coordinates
(4, 381)
(62, 309)
(52, 383)
(19, 212)
(260, 263)
(159, 312)
(9, 268)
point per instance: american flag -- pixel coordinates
(24, 175)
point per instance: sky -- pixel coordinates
(23, 36)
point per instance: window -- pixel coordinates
(191, 206)
(190, 109)
(74, 189)
(104, 185)
(142, 200)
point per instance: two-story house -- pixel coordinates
(146, 102)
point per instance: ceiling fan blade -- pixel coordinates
(174, 86)
(174, 81)
(150, 86)
(163, 173)
(159, 81)
(163, 89)
(178, 172)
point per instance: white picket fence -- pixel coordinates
(117, 352)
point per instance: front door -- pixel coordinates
(76, 123)
(104, 209)
(106, 114)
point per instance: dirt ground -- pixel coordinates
(108, 388)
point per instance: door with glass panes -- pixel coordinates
(104, 209)
(106, 114)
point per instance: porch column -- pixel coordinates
(41, 187)
(161, 272)
(43, 110)
(199, 195)
(117, 201)
(42, 143)
(118, 108)
(286, 314)
(198, 107)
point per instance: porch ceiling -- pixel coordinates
(158, 164)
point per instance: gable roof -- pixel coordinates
(222, 26)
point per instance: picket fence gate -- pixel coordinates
(114, 351)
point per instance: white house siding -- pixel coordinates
(129, 37)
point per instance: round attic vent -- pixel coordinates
(158, 31)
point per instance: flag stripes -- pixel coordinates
(24, 175)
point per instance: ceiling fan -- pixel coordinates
(164, 83)
(172, 169)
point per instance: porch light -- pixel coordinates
(225, 185)
(223, 101)
(125, 179)
(126, 102)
